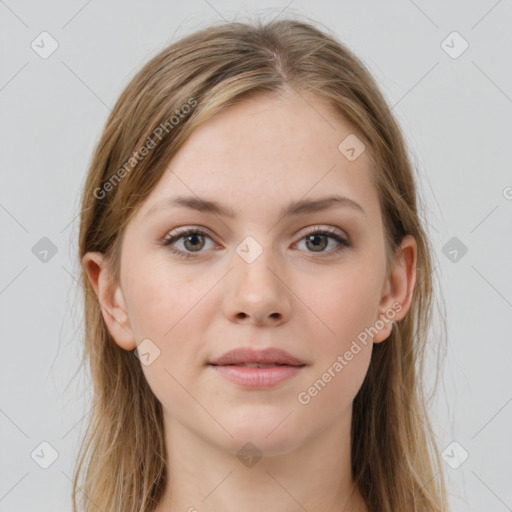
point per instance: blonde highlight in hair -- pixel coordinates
(395, 461)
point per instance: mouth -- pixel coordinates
(259, 365)
(256, 376)
(248, 357)
(251, 369)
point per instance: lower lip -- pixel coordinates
(257, 378)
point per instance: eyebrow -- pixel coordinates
(299, 207)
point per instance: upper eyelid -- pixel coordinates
(313, 227)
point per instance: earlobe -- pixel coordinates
(110, 298)
(399, 287)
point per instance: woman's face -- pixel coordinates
(259, 279)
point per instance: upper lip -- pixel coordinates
(245, 355)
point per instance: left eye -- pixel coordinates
(319, 239)
(194, 241)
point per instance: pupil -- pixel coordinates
(316, 243)
(195, 238)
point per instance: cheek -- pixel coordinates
(164, 301)
(154, 307)
(343, 350)
(173, 309)
(346, 303)
(165, 307)
(330, 393)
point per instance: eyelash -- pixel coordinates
(182, 233)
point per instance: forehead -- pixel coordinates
(264, 152)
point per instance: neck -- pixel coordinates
(203, 476)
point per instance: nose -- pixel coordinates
(257, 292)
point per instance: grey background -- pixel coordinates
(456, 114)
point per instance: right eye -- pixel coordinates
(193, 242)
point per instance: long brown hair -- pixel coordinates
(395, 461)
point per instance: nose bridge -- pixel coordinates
(256, 268)
(256, 289)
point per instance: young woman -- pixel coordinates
(258, 287)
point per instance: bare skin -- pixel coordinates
(310, 300)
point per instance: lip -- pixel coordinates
(243, 355)
(233, 366)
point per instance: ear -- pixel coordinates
(110, 298)
(398, 287)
